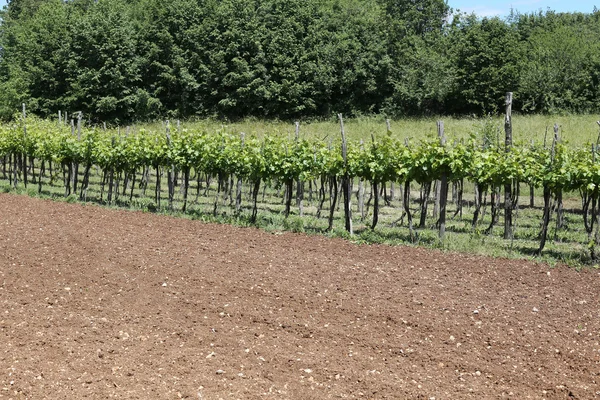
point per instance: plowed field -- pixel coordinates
(99, 304)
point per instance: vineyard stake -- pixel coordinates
(24, 156)
(443, 185)
(508, 192)
(346, 182)
(299, 183)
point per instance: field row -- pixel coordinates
(159, 170)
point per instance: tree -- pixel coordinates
(103, 66)
(34, 56)
(416, 17)
(561, 71)
(486, 54)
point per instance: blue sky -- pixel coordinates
(502, 8)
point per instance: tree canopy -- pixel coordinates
(124, 60)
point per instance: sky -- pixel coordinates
(502, 8)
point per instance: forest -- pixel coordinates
(119, 61)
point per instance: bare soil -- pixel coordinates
(99, 304)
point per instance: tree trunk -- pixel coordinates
(425, 191)
(85, 183)
(495, 201)
(334, 190)
(545, 219)
(186, 185)
(406, 201)
(157, 190)
(375, 204)
(288, 196)
(443, 200)
(255, 200)
(478, 203)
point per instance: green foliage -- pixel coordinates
(561, 72)
(103, 55)
(119, 60)
(34, 57)
(486, 54)
(275, 158)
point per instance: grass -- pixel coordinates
(577, 130)
(567, 245)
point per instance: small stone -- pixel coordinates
(535, 309)
(308, 370)
(477, 373)
(476, 312)
(164, 284)
(220, 372)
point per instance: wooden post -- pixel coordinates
(299, 183)
(508, 194)
(111, 178)
(392, 191)
(547, 201)
(361, 191)
(442, 185)
(171, 173)
(437, 183)
(559, 192)
(238, 191)
(76, 165)
(24, 155)
(531, 187)
(346, 182)
(375, 192)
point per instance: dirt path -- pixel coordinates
(106, 304)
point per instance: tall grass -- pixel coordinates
(577, 130)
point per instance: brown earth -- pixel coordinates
(102, 304)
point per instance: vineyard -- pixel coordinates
(327, 179)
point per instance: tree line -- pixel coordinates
(126, 60)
